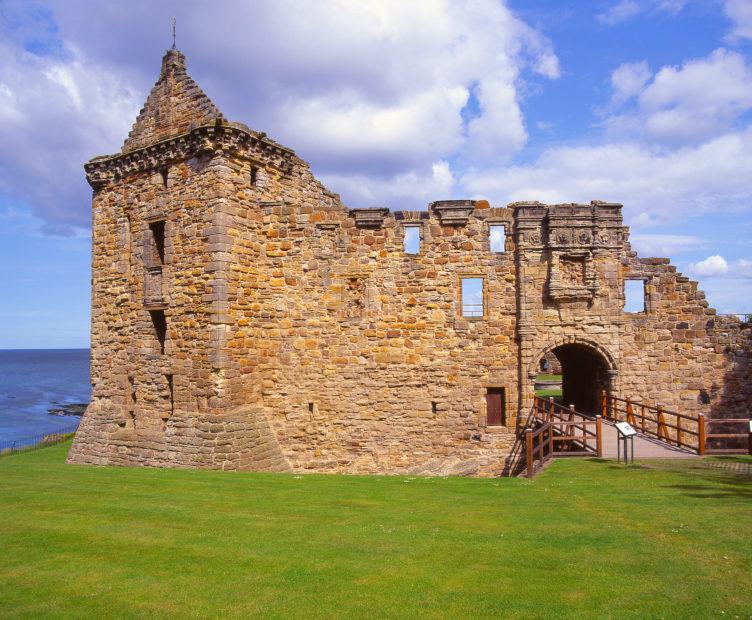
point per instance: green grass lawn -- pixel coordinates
(584, 539)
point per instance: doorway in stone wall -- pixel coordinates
(584, 375)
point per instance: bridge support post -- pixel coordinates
(529, 451)
(599, 436)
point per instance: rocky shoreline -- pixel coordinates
(71, 409)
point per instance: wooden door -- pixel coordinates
(496, 414)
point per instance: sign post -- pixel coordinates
(625, 433)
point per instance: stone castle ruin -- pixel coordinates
(244, 318)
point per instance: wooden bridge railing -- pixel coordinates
(675, 428)
(553, 430)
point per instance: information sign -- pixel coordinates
(625, 429)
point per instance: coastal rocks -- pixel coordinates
(72, 409)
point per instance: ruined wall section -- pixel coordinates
(678, 352)
(358, 350)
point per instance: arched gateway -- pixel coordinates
(586, 370)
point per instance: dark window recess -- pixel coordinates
(160, 327)
(254, 175)
(171, 390)
(496, 412)
(163, 172)
(158, 241)
(131, 395)
(434, 407)
(703, 398)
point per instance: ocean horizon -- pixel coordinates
(32, 381)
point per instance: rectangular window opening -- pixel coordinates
(412, 239)
(164, 173)
(634, 296)
(472, 297)
(160, 327)
(496, 409)
(158, 241)
(497, 237)
(254, 175)
(434, 407)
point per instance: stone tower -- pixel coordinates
(244, 318)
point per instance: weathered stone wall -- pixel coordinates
(302, 336)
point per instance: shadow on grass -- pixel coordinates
(707, 483)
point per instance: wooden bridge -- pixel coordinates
(552, 430)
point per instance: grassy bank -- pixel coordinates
(585, 538)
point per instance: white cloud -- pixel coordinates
(682, 105)
(699, 100)
(624, 10)
(414, 189)
(714, 265)
(619, 12)
(740, 13)
(652, 244)
(57, 113)
(629, 80)
(657, 186)
(372, 93)
(743, 267)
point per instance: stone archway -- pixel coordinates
(587, 370)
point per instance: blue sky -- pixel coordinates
(644, 102)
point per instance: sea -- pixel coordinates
(35, 380)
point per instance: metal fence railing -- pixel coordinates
(32, 442)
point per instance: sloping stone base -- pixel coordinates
(237, 440)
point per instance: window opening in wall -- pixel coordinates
(634, 296)
(163, 172)
(131, 396)
(158, 241)
(412, 239)
(497, 237)
(171, 391)
(472, 297)
(496, 411)
(434, 407)
(160, 327)
(254, 175)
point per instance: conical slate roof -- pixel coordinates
(174, 104)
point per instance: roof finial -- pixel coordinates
(173, 33)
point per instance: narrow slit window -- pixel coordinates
(497, 237)
(634, 296)
(412, 239)
(254, 175)
(164, 173)
(158, 241)
(171, 392)
(159, 322)
(472, 297)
